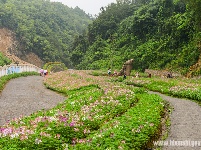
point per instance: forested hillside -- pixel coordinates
(42, 27)
(157, 34)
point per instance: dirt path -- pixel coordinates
(185, 125)
(25, 95)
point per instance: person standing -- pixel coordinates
(45, 72)
(41, 72)
(109, 72)
(124, 76)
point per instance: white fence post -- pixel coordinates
(17, 68)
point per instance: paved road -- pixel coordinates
(185, 124)
(25, 95)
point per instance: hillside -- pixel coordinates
(42, 30)
(157, 34)
(7, 45)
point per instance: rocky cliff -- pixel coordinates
(9, 46)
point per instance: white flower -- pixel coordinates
(97, 116)
(65, 146)
(53, 119)
(100, 135)
(72, 103)
(49, 129)
(21, 122)
(12, 136)
(38, 141)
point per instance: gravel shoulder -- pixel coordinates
(185, 129)
(24, 96)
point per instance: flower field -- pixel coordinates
(181, 87)
(97, 114)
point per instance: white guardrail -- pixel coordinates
(18, 68)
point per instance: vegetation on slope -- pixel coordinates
(157, 34)
(55, 66)
(43, 27)
(4, 60)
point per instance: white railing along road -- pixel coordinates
(18, 68)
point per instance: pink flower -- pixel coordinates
(72, 124)
(76, 129)
(45, 134)
(86, 131)
(74, 140)
(63, 119)
(23, 137)
(57, 136)
(81, 141)
(6, 131)
(151, 124)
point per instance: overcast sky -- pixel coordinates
(89, 6)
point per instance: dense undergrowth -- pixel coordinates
(97, 114)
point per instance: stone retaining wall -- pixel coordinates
(162, 73)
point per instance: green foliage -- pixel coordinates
(183, 88)
(43, 27)
(99, 73)
(55, 66)
(194, 7)
(159, 34)
(132, 130)
(4, 60)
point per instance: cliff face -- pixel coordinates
(8, 46)
(6, 41)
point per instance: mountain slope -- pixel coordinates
(157, 34)
(42, 28)
(7, 45)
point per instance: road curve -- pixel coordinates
(185, 130)
(24, 96)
